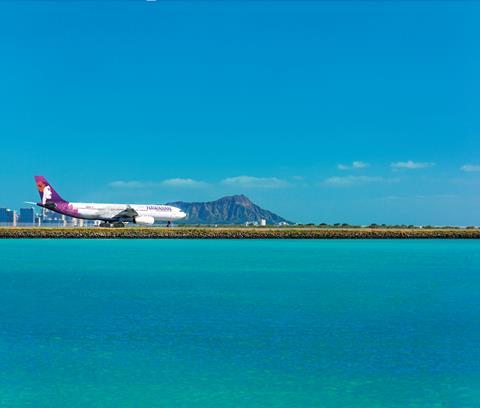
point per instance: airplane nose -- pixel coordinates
(182, 214)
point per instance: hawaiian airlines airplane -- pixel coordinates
(111, 215)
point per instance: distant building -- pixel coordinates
(51, 217)
(3, 214)
(6, 215)
(27, 216)
(263, 223)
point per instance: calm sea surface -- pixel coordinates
(197, 323)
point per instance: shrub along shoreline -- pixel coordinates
(239, 233)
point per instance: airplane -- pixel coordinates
(110, 215)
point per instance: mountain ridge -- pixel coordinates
(235, 209)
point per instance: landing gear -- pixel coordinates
(107, 224)
(169, 224)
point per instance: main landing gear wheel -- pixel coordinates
(169, 224)
(112, 225)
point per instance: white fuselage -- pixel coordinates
(106, 212)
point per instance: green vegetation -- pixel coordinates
(308, 232)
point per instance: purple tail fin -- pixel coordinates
(48, 194)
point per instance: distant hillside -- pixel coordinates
(237, 209)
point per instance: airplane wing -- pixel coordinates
(127, 214)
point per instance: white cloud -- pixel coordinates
(255, 182)
(347, 181)
(128, 184)
(354, 166)
(359, 165)
(411, 165)
(174, 182)
(239, 181)
(470, 168)
(183, 182)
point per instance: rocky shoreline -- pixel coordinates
(239, 233)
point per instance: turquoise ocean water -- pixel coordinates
(251, 323)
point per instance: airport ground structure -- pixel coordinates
(187, 232)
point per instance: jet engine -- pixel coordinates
(144, 220)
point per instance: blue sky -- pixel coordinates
(321, 111)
